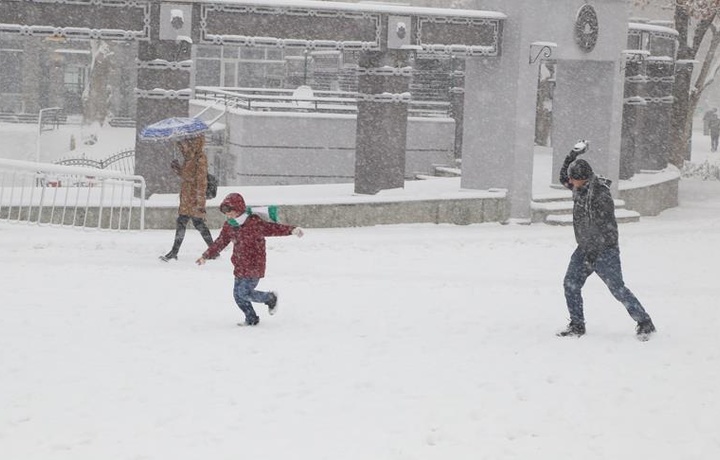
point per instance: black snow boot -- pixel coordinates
(169, 256)
(272, 303)
(252, 321)
(645, 328)
(574, 329)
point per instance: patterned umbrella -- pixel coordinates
(174, 129)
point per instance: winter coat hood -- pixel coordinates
(233, 202)
(580, 170)
(604, 181)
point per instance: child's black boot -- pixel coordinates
(272, 304)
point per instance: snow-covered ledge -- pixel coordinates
(651, 192)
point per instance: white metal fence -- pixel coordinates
(49, 194)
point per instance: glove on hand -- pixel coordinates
(579, 148)
(297, 231)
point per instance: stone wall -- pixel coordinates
(282, 148)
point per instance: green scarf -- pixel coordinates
(237, 222)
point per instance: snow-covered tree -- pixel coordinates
(96, 94)
(698, 24)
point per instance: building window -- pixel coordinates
(634, 41)
(662, 46)
(207, 72)
(229, 74)
(232, 66)
(74, 78)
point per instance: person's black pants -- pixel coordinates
(182, 222)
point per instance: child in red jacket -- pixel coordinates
(247, 233)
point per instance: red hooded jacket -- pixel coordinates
(249, 253)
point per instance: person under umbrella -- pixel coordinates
(193, 184)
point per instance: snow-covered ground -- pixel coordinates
(391, 343)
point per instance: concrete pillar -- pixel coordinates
(499, 115)
(381, 134)
(655, 136)
(159, 96)
(499, 130)
(633, 112)
(163, 88)
(585, 107)
(500, 95)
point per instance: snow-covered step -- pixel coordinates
(426, 177)
(440, 171)
(562, 206)
(542, 210)
(446, 171)
(621, 215)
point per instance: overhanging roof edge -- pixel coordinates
(358, 7)
(652, 28)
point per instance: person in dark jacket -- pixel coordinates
(707, 116)
(714, 126)
(596, 233)
(247, 233)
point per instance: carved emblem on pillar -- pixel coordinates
(586, 28)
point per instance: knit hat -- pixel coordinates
(233, 202)
(580, 170)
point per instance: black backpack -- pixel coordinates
(212, 185)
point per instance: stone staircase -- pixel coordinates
(558, 211)
(447, 171)
(554, 210)
(442, 171)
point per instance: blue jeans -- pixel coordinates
(245, 293)
(607, 266)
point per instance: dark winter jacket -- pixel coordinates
(593, 213)
(248, 239)
(714, 126)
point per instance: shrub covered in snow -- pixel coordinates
(703, 171)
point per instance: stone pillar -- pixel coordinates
(161, 94)
(584, 108)
(633, 112)
(499, 126)
(655, 137)
(381, 135)
(163, 91)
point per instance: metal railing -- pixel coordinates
(29, 118)
(123, 161)
(281, 100)
(49, 194)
